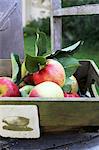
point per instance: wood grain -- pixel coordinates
(90, 9)
(56, 27)
(11, 37)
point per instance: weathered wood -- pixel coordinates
(94, 90)
(7, 14)
(5, 63)
(88, 72)
(90, 9)
(61, 114)
(56, 27)
(11, 32)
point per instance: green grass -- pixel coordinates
(85, 52)
(88, 53)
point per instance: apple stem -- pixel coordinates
(21, 80)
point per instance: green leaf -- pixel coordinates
(67, 86)
(66, 51)
(41, 43)
(16, 68)
(48, 53)
(30, 31)
(70, 64)
(33, 63)
(72, 47)
(28, 50)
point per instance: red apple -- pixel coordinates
(8, 88)
(29, 80)
(47, 89)
(53, 71)
(71, 94)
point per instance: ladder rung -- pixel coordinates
(90, 9)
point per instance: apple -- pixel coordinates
(25, 90)
(74, 85)
(23, 70)
(71, 94)
(29, 79)
(47, 89)
(53, 71)
(8, 88)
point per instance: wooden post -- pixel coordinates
(56, 27)
(11, 31)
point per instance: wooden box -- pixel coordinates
(67, 113)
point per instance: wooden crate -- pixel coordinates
(65, 113)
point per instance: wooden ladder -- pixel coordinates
(56, 19)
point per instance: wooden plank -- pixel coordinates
(11, 35)
(94, 90)
(90, 72)
(95, 74)
(56, 27)
(7, 14)
(5, 67)
(1, 14)
(90, 9)
(61, 114)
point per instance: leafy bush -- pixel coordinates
(75, 28)
(43, 25)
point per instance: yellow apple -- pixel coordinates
(74, 85)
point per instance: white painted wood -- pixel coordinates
(19, 121)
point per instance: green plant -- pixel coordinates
(36, 59)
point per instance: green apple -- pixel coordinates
(25, 90)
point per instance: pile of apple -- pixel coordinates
(40, 75)
(48, 83)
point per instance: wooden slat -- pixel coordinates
(61, 115)
(94, 90)
(77, 10)
(6, 15)
(56, 27)
(11, 31)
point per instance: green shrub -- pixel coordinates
(42, 24)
